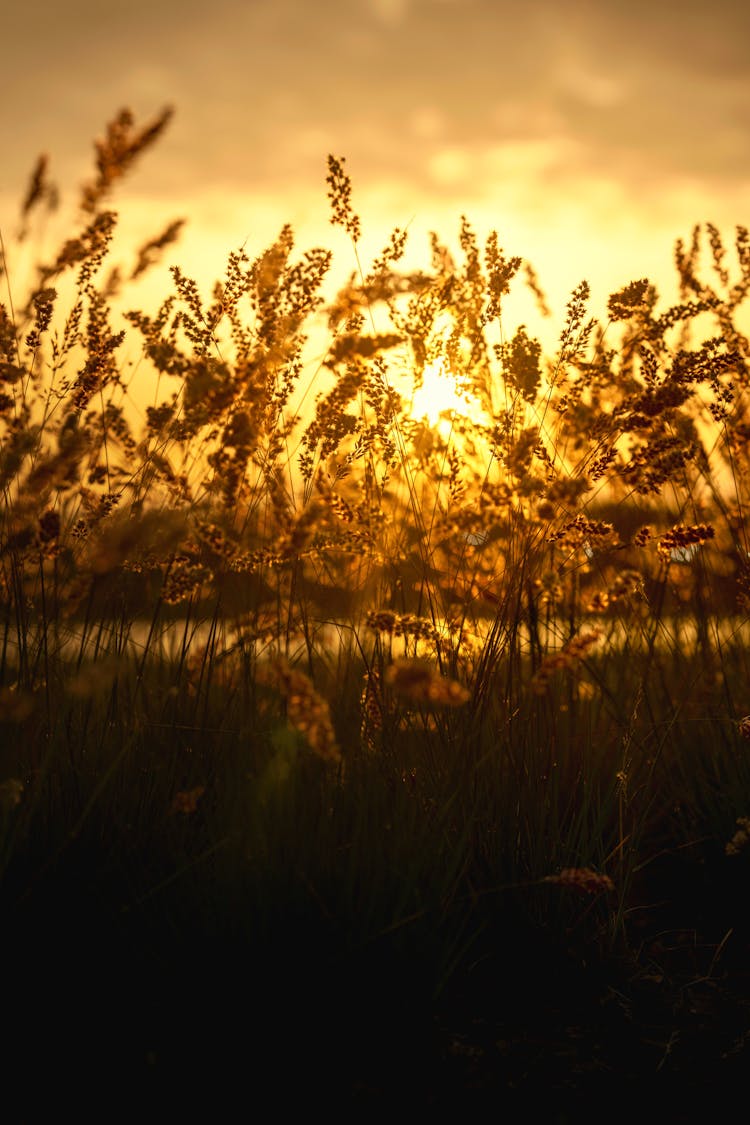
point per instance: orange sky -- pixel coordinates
(590, 135)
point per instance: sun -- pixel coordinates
(439, 397)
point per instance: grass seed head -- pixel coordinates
(582, 879)
(307, 711)
(419, 682)
(741, 838)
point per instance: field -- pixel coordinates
(373, 712)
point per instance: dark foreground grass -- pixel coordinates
(193, 913)
(351, 758)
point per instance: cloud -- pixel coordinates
(389, 12)
(426, 122)
(589, 84)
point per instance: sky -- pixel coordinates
(590, 135)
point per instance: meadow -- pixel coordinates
(376, 708)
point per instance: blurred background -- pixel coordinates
(589, 134)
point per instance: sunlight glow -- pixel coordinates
(439, 397)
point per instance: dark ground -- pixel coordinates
(169, 1024)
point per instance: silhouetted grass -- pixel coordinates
(344, 718)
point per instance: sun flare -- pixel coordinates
(439, 397)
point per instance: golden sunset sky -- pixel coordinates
(589, 134)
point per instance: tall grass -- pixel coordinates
(279, 655)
